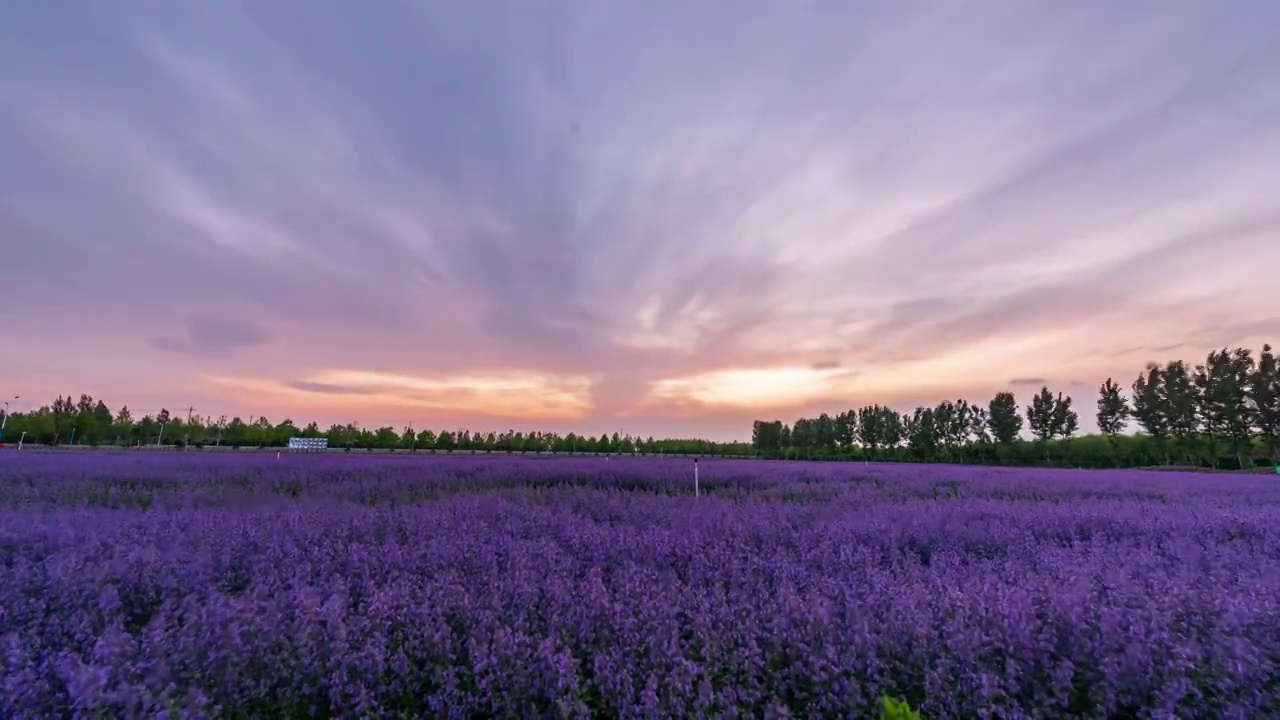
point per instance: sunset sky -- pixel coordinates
(666, 217)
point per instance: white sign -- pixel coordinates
(308, 444)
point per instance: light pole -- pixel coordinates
(5, 420)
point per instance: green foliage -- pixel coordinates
(1113, 409)
(898, 710)
(1040, 415)
(1003, 417)
(1224, 414)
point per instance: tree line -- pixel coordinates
(87, 421)
(1222, 413)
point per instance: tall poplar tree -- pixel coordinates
(1225, 407)
(1113, 409)
(1148, 408)
(1181, 403)
(1065, 421)
(1003, 418)
(1040, 415)
(1264, 395)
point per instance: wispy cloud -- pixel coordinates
(213, 337)
(501, 395)
(669, 214)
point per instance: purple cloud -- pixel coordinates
(629, 195)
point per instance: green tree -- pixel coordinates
(846, 428)
(445, 441)
(1264, 395)
(953, 424)
(123, 426)
(426, 439)
(878, 427)
(1040, 415)
(386, 437)
(1113, 409)
(923, 434)
(1180, 402)
(1003, 418)
(1225, 407)
(1148, 406)
(1065, 422)
(41, 426)
(766, 437)
(824, 431)
(979, 424)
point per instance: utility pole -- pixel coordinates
(186, 439)
(5, 420)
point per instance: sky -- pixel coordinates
(668, 218)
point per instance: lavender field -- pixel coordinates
(354, 586)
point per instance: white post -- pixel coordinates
(24, 437)
(5, 420)
(695, 477)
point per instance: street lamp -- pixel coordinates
(5, 420)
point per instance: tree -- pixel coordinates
(444, 441)
(894, 430)
(426, 439)
(64, 415)
(1003, 418)
(102, 420)
(1264, 396)
(1065, 421)
(846, 429)
(123, 425)
(1180, 402)
(879, 427)
(1223, 384)
(1113, 409)
(766, 437)
(386, 437)
(953, 422)
(923, 433)
(979, 424)
(1040, 415)
(1148, 408)
(824, 432)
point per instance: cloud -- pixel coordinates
(325, 388)
(1028, 381)
(425, 191)
(500, 395)
(213, 337)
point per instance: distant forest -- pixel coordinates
(87, 421)
(1223, 413)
